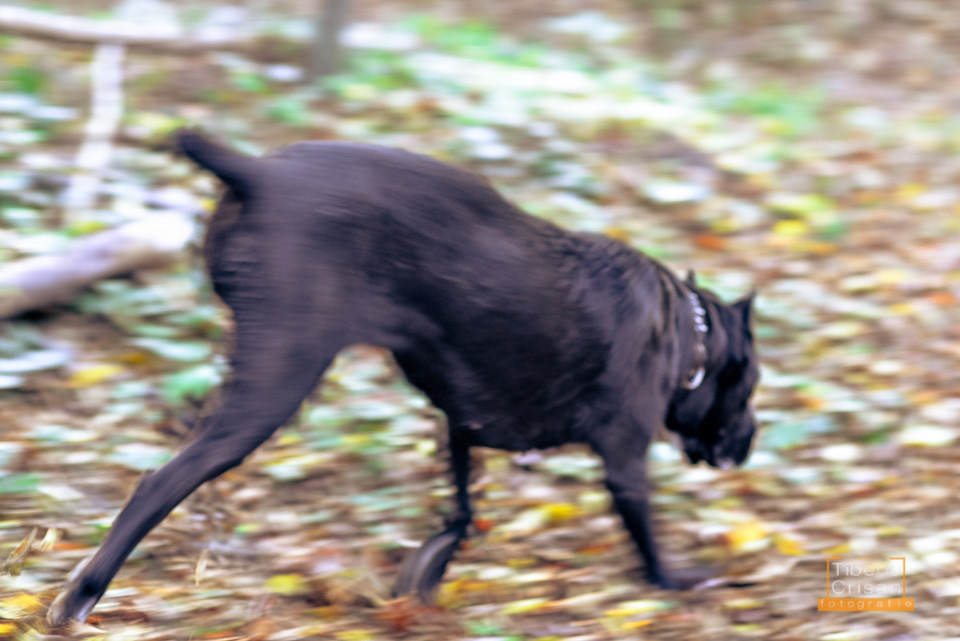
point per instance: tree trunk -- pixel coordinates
(327, 50)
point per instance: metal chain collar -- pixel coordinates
(694, 377)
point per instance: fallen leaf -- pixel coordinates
(19, 606)
(525, 605)
(711, 241)
(93, 375)
(287, 584)
(14, 562)
(744, 536)
(788, 545)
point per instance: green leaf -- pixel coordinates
(289, 110)
(579, 466)
(175, 350)
(19, 483)
(156, 331)
(140, 456)
(21, 216)
(200, 317)
(61, 434)
(789, 434)
(193, 383)
(809, 206)
(131, 389)
(249, 82)
(484, 629)
(28, 80)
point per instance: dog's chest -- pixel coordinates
(504, 433)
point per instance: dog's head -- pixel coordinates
(715, 420)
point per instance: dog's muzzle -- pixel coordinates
(724, 454)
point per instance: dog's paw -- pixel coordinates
(423, 569)
(77, 599)
(685, 578)
(71, 605)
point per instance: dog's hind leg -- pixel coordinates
(272, 375)
(423, 569)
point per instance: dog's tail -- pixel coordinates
(238, 171)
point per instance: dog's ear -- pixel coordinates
(691, 278)
(745, 307)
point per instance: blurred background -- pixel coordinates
(803, 147)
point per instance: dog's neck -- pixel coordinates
(694, 375)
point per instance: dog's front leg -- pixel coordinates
(422, 570)
(624, 455)
(271, 378)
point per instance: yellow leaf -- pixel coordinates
(525, 605)
(743, 604)
(618, 233)
(787, 545)
(746, 533)
(643, 606)
(901, 309)
(843, 548)
(426, 446)
(561, 511)
(355, 440)
(287, 584)
(774, 126)
(892, 276)
(16, 60)
(85, 227)
(355, 635)
(791, 228)
(449, 589)
(19, 606)
(634, 625)
(763, 181)
(135, 358)
(290, 438)
(329, 612)
(94, 374)
(7, 629)
(908, 191)
(822, 248)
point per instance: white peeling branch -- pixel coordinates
(106, 110)
(42, 281)
(52, 26)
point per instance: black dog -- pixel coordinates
(525, 335)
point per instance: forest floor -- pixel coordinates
(810, 154)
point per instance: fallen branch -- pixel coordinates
(72, 29)
(41, 281)
(106, 111)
